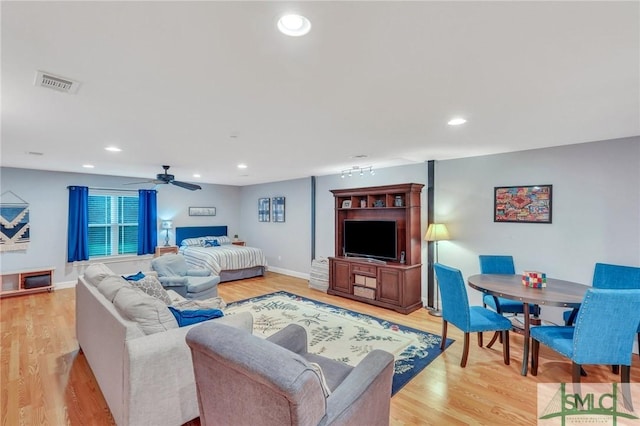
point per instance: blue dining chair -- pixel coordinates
(469, 319)
(610, 277)
(498, 264)
(596, 338)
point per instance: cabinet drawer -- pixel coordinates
(366, 269)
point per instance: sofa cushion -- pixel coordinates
(96, 272)
(110, 286)
(151, 314)
(150, 285)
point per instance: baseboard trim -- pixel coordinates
(289, 272)
(65, 284)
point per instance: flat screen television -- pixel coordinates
(376, 239)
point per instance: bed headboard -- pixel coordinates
(199, 231)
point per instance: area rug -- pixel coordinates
(342, 334)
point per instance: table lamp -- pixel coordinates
(166, 225)
(436, 232)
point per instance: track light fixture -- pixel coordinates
(357, 169)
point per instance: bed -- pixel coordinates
(231, 262)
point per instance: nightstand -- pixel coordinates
(160, 250)
(238, 243)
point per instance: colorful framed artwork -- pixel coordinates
(277, 206)
(522, 204)
(264, 209)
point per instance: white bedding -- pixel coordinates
(223, 258)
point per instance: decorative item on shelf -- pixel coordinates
(436, 232)
(534, 279)
(357, 169)
(378, 203)
(363, 203)
(166, 225)
(397, 202)
(346, 204)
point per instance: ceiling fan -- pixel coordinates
(165, 178)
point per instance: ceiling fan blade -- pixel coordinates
(144, 181)
(185, 185)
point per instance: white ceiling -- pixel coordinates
(203, 86)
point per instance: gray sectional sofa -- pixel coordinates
(136, 350)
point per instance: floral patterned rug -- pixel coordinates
(342, 334)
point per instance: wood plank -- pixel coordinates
(45, 380)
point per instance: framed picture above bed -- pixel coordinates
(278, 209)
(202, 211)
(264, 209)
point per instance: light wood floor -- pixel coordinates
(44, 380)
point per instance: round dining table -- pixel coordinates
(560, 293)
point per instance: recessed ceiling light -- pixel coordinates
(113, 149)
(294, 25)
(88, 166)
(456, 121)
(242, 166)
(196, 175)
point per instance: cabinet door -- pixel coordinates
(341, 277)
(390, 285)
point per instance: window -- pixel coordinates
(113, 223)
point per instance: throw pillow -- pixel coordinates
(152, 287)
(151, 315)
(195, 316)
(211, 243)
(134, 277)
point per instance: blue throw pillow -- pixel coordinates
(188, 317)
(211, 243)
(135, 277)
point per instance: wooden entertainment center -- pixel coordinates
(391, 284)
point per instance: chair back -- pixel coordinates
(170, 265)
(455, 302)
(243, 379)
(602, 337)
(616, 276)
(494, 264)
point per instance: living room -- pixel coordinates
(592, 161)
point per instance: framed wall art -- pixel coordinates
(264, 209)
(523, 204)
(202, 211)
(277, 205)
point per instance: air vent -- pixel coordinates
(55, 82)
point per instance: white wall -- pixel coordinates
(596, 210)
(47, 195)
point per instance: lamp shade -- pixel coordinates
(166, 224)
(437, 232)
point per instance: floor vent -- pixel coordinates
(61, 84)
